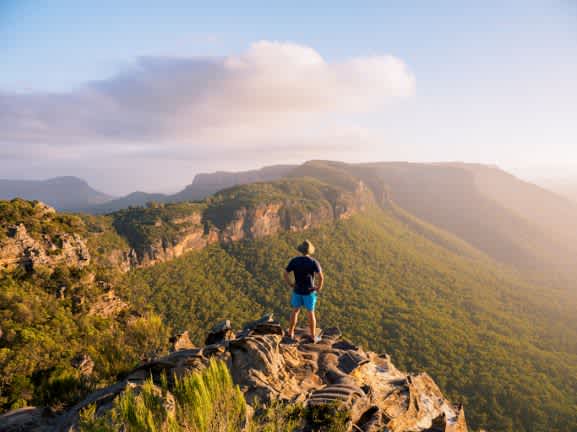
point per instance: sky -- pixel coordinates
(142, 95)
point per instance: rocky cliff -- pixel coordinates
(33, 234)
(364, 388)
(19, 247)
(168, 230)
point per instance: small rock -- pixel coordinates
(83, 363)
(220, 333)
(267, 328)
(181, 342)
(25, 419)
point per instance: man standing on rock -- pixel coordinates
(304, 268)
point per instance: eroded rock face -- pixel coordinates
(196, 231)
(333, 374)
(191, 236)
(19, 248)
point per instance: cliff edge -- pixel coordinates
(363, 387)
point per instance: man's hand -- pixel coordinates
(287, 279)
(321, 282)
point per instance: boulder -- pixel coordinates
(181, 342)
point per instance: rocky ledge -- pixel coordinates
(269, 367)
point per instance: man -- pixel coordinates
(304, 268)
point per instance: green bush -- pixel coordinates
(209, 401)
(206, 401)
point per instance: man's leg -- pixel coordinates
(312, 323)
(293, 324)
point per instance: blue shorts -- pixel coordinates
(307, 301)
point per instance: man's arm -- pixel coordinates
(287, 279)
(321, 279)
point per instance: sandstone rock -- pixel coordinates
(20, 248)
(84, 363)
(259, 368)
(334, 375)
(181, 342)
(197, 230)
(220, 333)
(267, 318)
(107, 305)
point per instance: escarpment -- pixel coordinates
(362, 388)
(33, 234)
(162, 232)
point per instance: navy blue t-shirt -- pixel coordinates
(304, 268)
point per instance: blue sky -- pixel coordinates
(491, 82)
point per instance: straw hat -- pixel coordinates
(306, 248)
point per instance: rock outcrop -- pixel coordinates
(333, 374)
(107, 305)
(19, 248)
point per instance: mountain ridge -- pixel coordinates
(66, 192)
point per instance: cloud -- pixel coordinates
(273, 88)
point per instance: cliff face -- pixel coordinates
(361, 387)
(19, 248)
(187, 233)
(171, 236)
(148, 236)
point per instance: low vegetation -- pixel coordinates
(205, 401)
(38, 219)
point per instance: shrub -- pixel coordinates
(209, 401)
(205, 401)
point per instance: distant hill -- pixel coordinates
(511, 220)
(74, 194)
(205, 184)
(567, 188)
(133, 199)
(64, 193)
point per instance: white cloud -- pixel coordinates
(273, 88)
